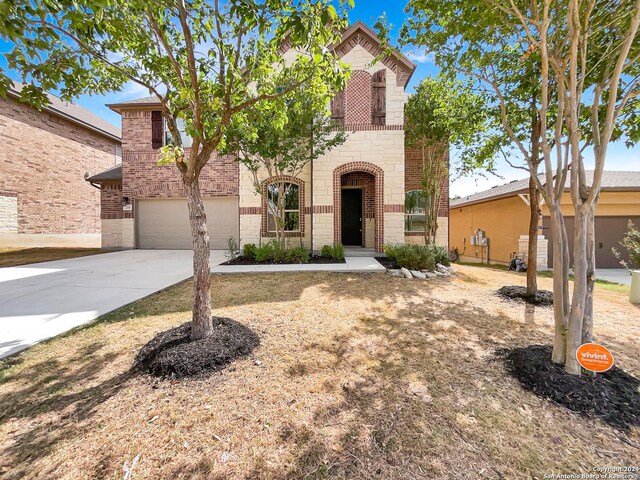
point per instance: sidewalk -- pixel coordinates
(353, 264)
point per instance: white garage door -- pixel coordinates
(164, 223)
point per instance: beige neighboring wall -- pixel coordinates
(502, 220)
(610, 204)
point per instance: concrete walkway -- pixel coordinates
(615, 275)
(42, 300)
(352, 264)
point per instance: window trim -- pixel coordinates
(291, 210)
(264, 230)
(423, 214)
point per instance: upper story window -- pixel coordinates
(160, 134)
(291, 210)
(118, 152)
(414, 211)
(379, 98)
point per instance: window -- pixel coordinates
(186, 139)
(291, 193)
(414, 211)
(118, 153)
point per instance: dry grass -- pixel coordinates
(358, 376)
(11, 257)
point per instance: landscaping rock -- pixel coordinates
(394, 272)
(429, 274)
(441, 269)
(613, 396)
(418, 274)
(173, 354)
(406, 273)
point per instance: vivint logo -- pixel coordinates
(594, 357)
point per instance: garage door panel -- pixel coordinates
(165, 223)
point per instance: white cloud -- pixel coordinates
(420, 56)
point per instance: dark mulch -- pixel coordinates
(241, 260)
(544, 298)
(611, 396)
(173, 354)
(386, 263)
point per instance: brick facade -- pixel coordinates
(43, 161)
(143, 178)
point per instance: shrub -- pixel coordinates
(631, 243)
(232, 250)
(326, 251)
(265, 252)
(391, 251)
(249, 251)
(415, 257)
(297, 255)
(441, 254)
(338, 252)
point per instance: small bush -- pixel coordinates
(297, 255)
(338, 252)
(265, 252)
(326, 251)
(631, 243)
(232, 249)
(391, 251)
(441, 254)
(249, 251)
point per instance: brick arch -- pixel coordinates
(358, 98)
(301, 204)
(378, 175)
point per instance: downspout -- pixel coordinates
(311, 189)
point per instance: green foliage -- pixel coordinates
(631, 243)
(326, 251)
(249, 251)
(440, 254)
(415, 257)
(232, 249)
(338, 252)
(297, 255)
(391, 251)
(266, 252)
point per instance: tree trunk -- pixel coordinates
(201, 326)
(578, 301)
(587, 323)
(560, 284)
(532, 254)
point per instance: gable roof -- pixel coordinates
(149, 101)
(612, 180)
(72, 112)
(357, 34)
(112, 174)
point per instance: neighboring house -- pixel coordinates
(502, 213)
(45, 155)
(355, 194)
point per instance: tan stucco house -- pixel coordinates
(502, 214)
(355, 194)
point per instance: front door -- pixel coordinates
(352, 216)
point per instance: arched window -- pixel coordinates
(414, 211)
(287, 209)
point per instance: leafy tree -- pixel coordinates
(271, 148)
(584, 56)
(499, 66)
(441, 116)
(206, 63)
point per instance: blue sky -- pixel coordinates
(619, 157)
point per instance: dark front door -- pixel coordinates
(352, 216)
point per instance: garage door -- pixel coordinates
(609, 232)
(165, 223)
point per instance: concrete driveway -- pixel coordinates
(42, 300)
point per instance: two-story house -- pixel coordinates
(355, 194)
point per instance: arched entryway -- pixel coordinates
(358, 193)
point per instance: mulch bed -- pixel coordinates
(173, 354)
(312, 259)
(611, 396)
(544, 298)
(386, 263)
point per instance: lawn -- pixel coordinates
(358, 376)
(12, 257)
